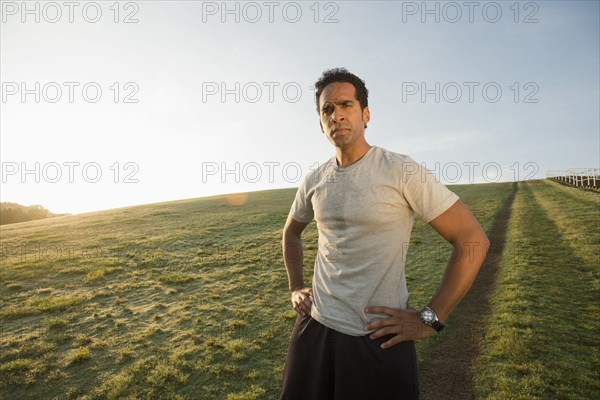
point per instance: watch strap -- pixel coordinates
(437, 325)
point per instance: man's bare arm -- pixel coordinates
(294, 262)
(458, 226)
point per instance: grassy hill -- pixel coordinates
(188, 299)
(542, 336)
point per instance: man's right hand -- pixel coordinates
(302, 299)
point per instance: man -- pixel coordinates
(354, 334)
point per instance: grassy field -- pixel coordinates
(189, 300)
(542, 338)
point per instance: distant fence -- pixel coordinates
(578, 177)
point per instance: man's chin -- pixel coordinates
(338, 142)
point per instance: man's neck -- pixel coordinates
(347, 157)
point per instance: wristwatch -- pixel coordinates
(429, 317)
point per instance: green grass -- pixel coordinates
(176, 300)
(542, 339)
(184, 299)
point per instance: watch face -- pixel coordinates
(428, 316)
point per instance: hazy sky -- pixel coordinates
(186, 99)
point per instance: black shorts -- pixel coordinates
(323, 364)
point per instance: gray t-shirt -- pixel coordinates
(364, 215)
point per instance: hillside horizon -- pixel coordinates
(224, 195)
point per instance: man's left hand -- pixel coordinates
(404, 324)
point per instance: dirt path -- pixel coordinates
(448, 375)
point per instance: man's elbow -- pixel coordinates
(290, 235)
(482, 243)
(475, 244)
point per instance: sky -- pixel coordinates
(108, 105)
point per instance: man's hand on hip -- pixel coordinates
(302, 299)
(404, 324)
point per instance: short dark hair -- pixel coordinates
(342, 75)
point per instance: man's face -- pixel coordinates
(342, 120)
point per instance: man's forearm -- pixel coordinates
(293, 258)
(460, 273)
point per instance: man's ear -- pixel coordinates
(366, 114)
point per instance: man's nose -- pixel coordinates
(337, 115)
